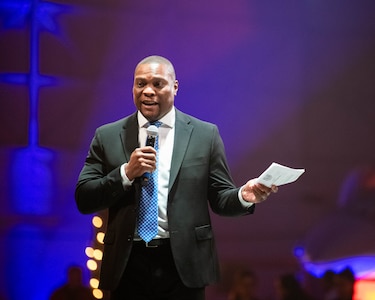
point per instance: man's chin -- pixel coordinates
(150, 115)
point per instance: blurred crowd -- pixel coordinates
(332, 286)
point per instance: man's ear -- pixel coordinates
(175, 87)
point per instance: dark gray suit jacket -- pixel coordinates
(199, 175)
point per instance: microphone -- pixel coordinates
(152, 133)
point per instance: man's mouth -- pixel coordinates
(149, 103)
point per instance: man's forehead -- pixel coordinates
(152, 69)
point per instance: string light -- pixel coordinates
(100, 237)
(94, 283)
(92, 265)
(98, 294)
(89, 251)
(95, 254)
(97, 221)
(98, 254)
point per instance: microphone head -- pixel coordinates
(152, 130)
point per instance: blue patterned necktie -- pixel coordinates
(148, 206)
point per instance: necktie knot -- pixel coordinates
(156, 123)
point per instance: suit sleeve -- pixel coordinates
(99, 184)
(222, 193)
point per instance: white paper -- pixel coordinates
(277, 174)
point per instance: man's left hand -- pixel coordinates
(255, 192)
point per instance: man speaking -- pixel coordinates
(159, 242)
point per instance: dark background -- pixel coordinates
(285, 81)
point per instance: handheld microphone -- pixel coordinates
(152, 133)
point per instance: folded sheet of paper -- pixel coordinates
(278, 175)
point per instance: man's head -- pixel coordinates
(155, 87)
(75, 276)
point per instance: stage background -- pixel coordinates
(285, 81)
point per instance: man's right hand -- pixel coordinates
(142, 160)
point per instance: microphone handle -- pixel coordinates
(149, 142)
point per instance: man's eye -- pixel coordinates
(158, 84)
(140, 84)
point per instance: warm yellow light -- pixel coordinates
(94, 283)
(98, 254)
(97, 221)
(92, 265)
(100, 237)
(98, 294)
(89, 252)
(365, 289)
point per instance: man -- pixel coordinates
(244, 286)
(192, 171)
(344, 284)
(74, 288)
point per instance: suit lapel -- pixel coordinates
(129, 135)
(182, 133)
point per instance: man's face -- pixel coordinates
(154, 90)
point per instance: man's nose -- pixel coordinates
(148, 91)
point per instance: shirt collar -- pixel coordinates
(168, 120)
